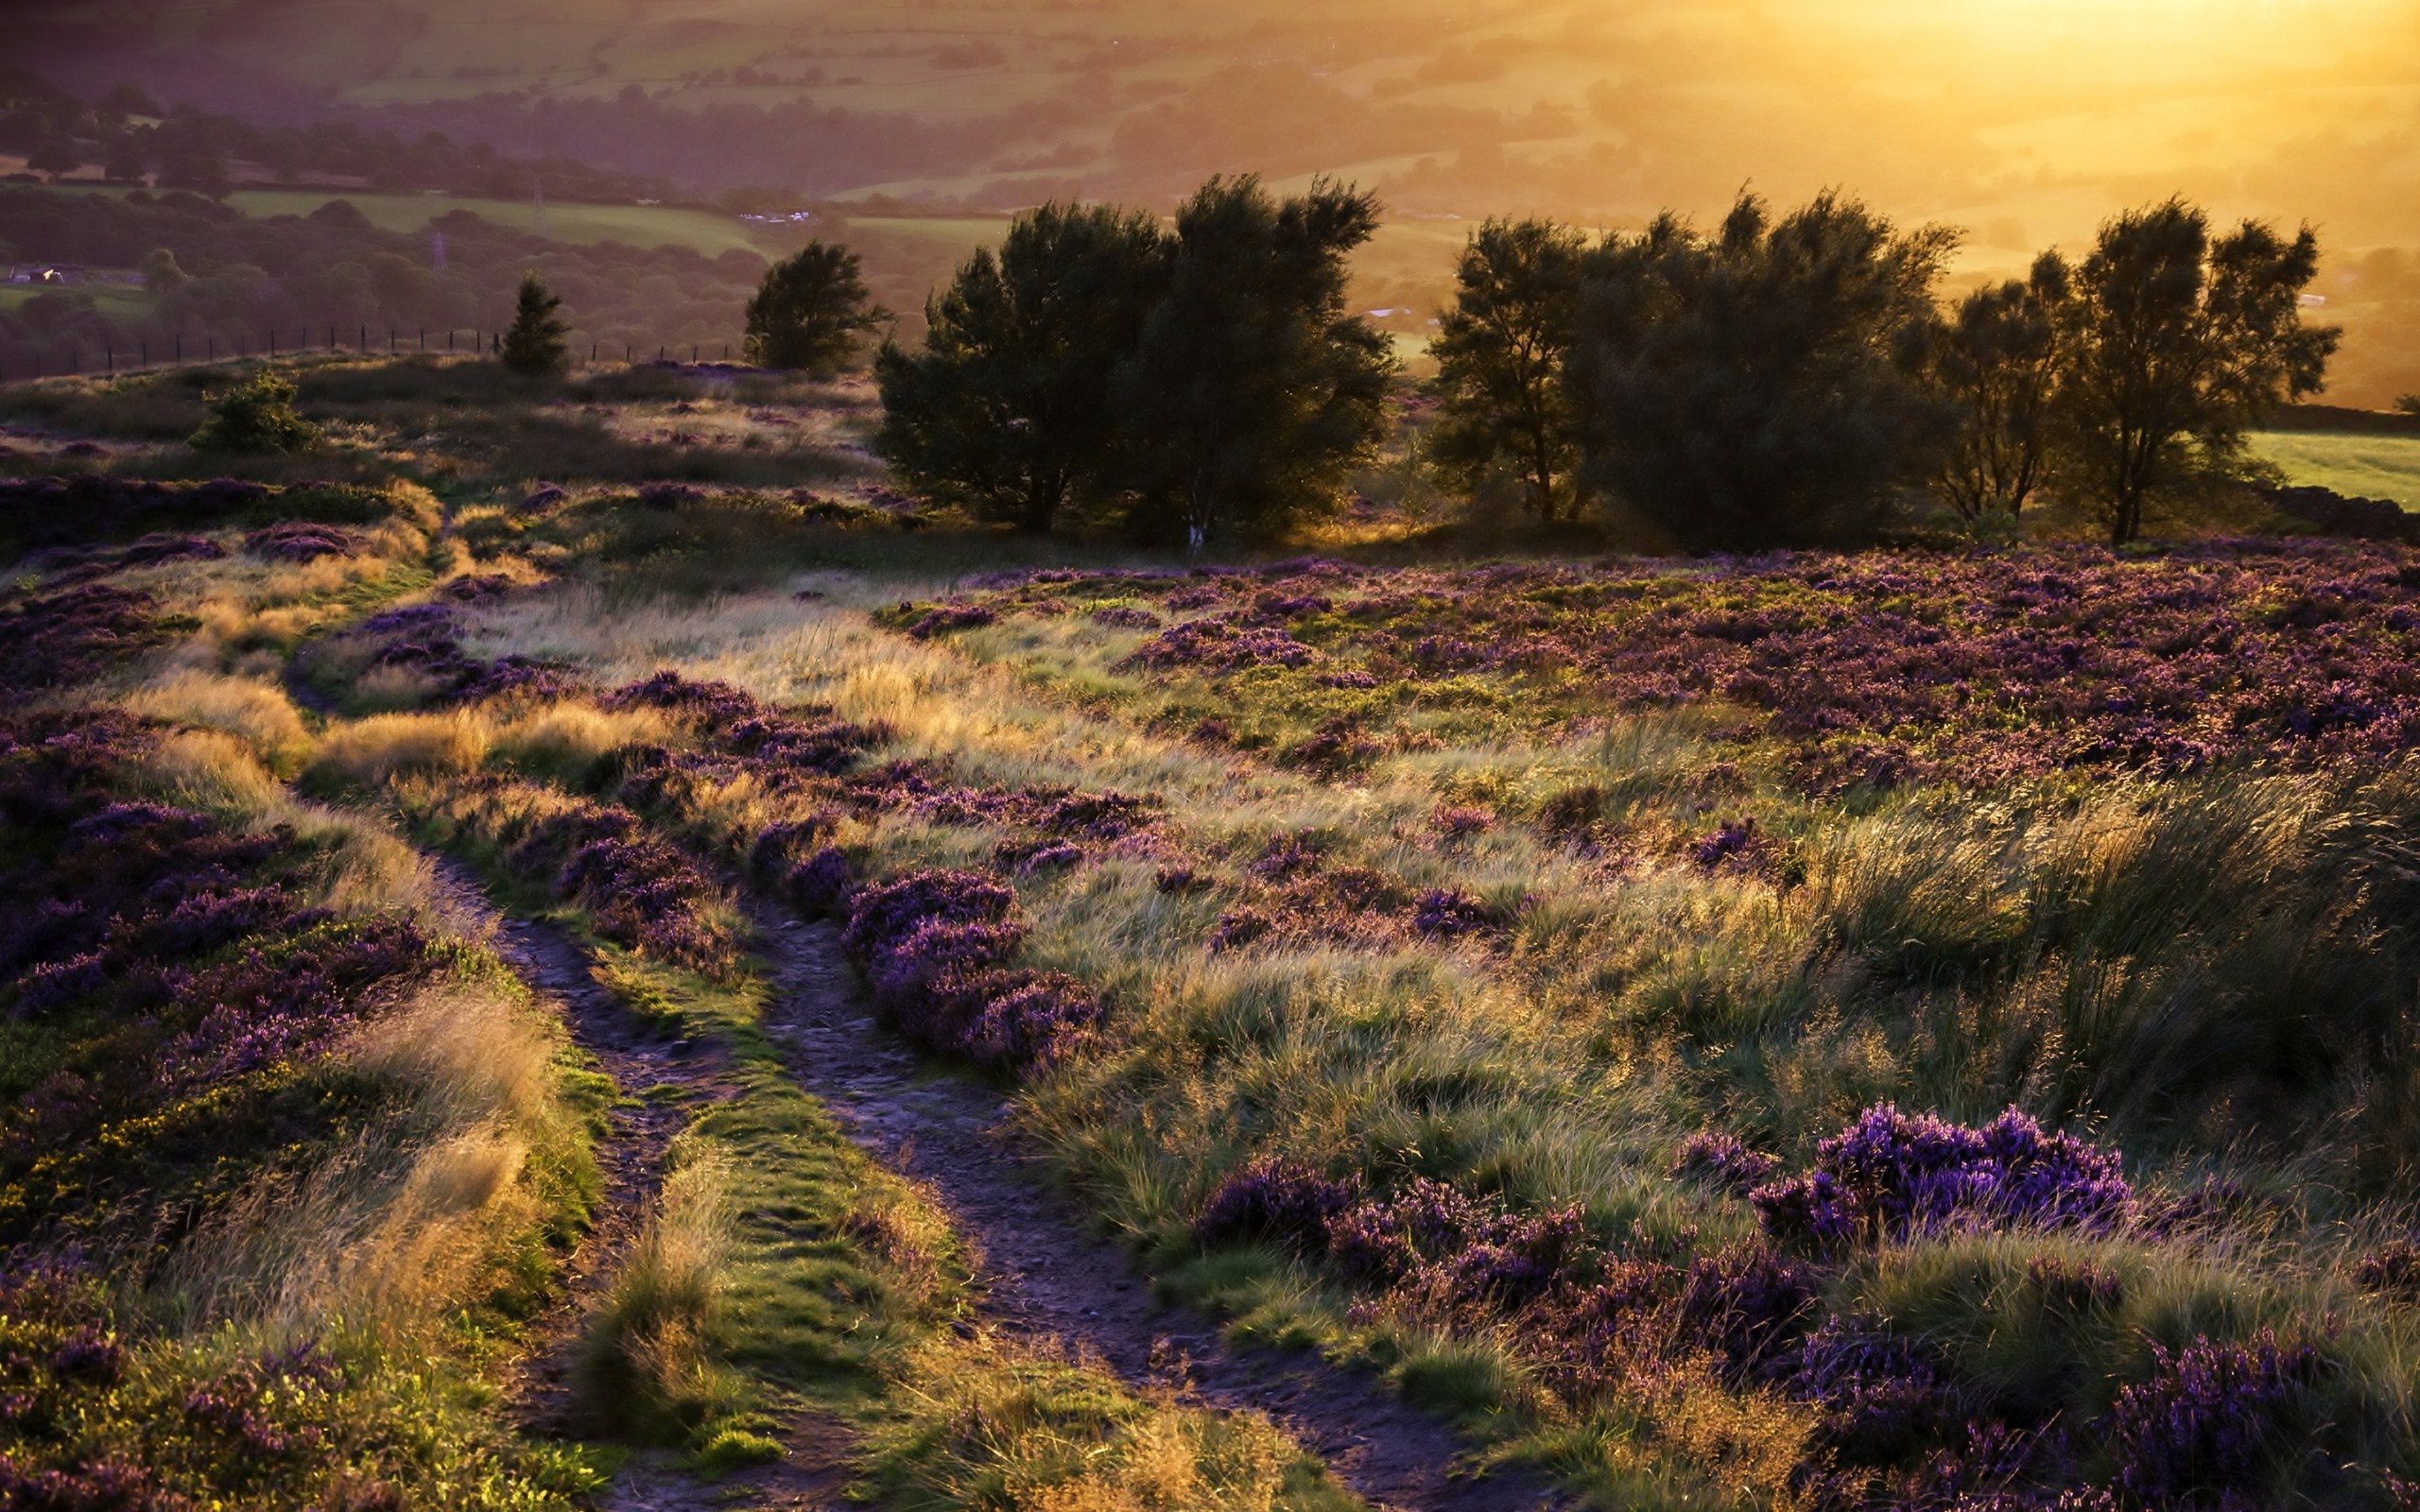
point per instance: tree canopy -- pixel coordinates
(1256, 390)
(811, 312)
(1762, 386)
(2174, 346)
(1007, 409)
(1500, 352)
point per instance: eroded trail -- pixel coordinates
(1046, 1274)
(665, 1084)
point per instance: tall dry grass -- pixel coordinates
(647, 1364)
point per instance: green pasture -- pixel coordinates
(2366, 466)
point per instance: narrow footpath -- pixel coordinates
(1045, 1273)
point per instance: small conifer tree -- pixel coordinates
(534, 347)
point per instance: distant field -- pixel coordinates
(2369, 467)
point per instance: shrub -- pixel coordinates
(256, 415)
(2212, 1418)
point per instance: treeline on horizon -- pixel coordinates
(215, 275)
(1784, 379)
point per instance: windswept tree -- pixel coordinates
(1253, 394)
(533, 346)
(1762, 385)
(1997, 360)
(1007, 409)
(812, 312)
(1500, 354)
(2175, 345)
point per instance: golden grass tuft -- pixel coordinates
(369, 753)
(391, 1231)
(645, 1366)
(258, 713)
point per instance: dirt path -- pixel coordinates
(664, 1083)
(1047, 1275)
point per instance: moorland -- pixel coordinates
(1716, 864)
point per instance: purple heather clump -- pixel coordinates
(1722, 1159)
(89, 1356)
(821, 883)
(301, 541)
(63, 637)
(1125, 617)
(940, 619)
(714, 703)
(107, 1484)
(1026, 1018)
(778, 847)
(1237, 928)
(2392, 1269)
(1460, 823)
(1448, 913)
(1273, 1197)
(1383, 1240)
(1053, 857)
(1814, 1207)
(1515, 1260)
(1285, 856)
(1882, 1399)
(1734, 843)
(1178, 877)
(884, 917)
(1892, 1174)
(1748, 1303)
(1220, 645)
(936, 947)
(2202, 1431)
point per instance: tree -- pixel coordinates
(55, 155)
(2407, 403)
(1997, 361)
(1500, 352)
(1760, 386)
(160, 274)
(533, 346)
(1253, 392)
(256, 415)
(203, 173)
(1007, 410)
(2175, 345)
(811, 311)
(125, 162)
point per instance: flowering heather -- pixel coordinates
(1125, 617)
(936, 947)
(739, 725)
(57, 638)
(301, 540)
(1273, 1197)
(639, 890)
(64, 565)
(2212, 1418)
(1722, 1159)
(2393, 1269)
(1220, 645)
(183, 989)
(1890, 1174)
(924, 621)
(1735, 843)
(424, 638)
(1977, 667)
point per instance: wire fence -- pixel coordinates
(147, 355)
